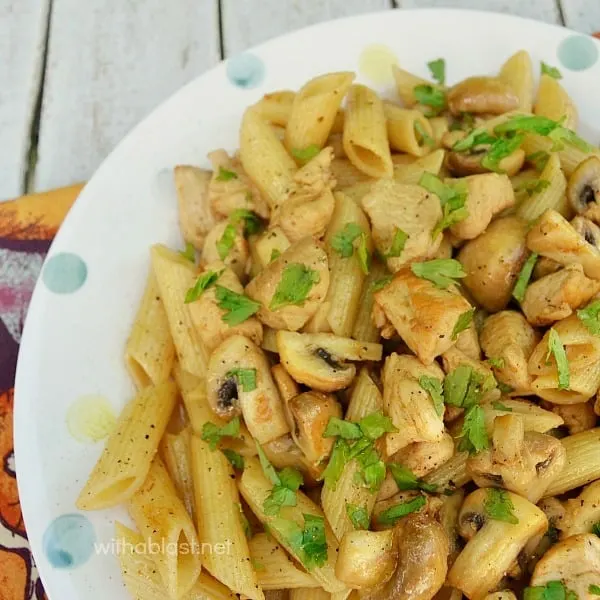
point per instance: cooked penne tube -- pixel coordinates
(314, 110)
(225, 552)
(144, 582)
(347, 272)
(452, 474)
(274, 568)
(411, 173)
(408, 130)
(364, 400)
(175, 276)
(405, 84)
(264, 159)
(582, 465)
(365, 329)
(162, 519)
(276, 107)
(365, 133)
(439, 127)
(150, 352)
(175, 453)
(517, 71)
(125, 461)
(255, 488)
(554, 102)
(552, 196)
(492, 549)
(347, 175)
(533, 416)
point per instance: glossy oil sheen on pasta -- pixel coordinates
(372, 372)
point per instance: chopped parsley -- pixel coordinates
(535, 186)
(343, 241)
(590, 317)
(309, 544)
(245, 523)
(275, 254)
(237, 306)
(499, 150)
(205, 281)
(252, 222)
(474, 436)
(549, 70)
(236, 460)
(189, 253)
(294, 286)
(476, 137)
(500, 406)
(442, 272)
(437, 68)
(463, 323)
(596, 528)
(524, 277)
(305, 155)
(499, 507)
(391, 515)
(452, 200)
(434, 387)
(497, 363)
(379, 284)
(226, 241)
(226, 175)
(555, 347)
(553, 590)
(538, 159)
(594, 589)
(362, 253)
(212, 433)
(430, 96)
(406, 480)
(346, 430)
(422, 137)
(358, 515)
(398, 243)
(246, 378)
(464, 386)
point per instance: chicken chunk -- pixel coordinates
(423, 315)
(411, 209)
(226, 242)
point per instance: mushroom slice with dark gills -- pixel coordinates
(239, 382)
(583, 190)
(482, 95)
(318, 359)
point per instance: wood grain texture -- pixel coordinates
(582, 15)
(250, 22)
(541, 10)
(22, 35)
(110, 63)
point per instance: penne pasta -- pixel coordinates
(365, 329)
(517, 71)
(452, 474)
(405, 84)
(175, 276)
(412, 173)
(225, 553)
(162, 519)
(365, 133)
(150, 352)
(314, 110)
(125, 461)
(276, 107)
(554, 102)
(408, 130)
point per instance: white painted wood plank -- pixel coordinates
(250, 22)
(22, 34)
(582, 15)
(541, 10)
(110, 63)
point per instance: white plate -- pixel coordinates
(73, 343)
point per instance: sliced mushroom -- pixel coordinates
(393, 206)
(556, 296)
(575, 562)
(576, 417)
(554, 237)
(318, 359)
(195, 218)
(308, 416)
(366, 558)
(448, 517)
(233, 191)
(423, 314)
(583, 190)
(287, 387)
(469, 163)
(508, 341)
(410, 407)
(422, 565)
(493, 546)
(482, 95)
(581, 513)
(234, 253)
(493, 262)
(587, 229)
(207, 316)
(523, 462)
(283, 452)
(533, 416)
(263, 287)
(230, 394)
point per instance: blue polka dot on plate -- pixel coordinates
(69, 541)
(245, 70)
(578, 52)
(64, 273)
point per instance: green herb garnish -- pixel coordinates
(246, 378)
(555, 347)
(391, 515)
(442, 272)
(237, 306)
(358, 515)
(212, 433)
(524, 277)
(205, 281)
(294, 286)
(226, 175)
(499, 507)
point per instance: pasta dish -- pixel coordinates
(372, 373)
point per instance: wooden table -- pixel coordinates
(77, 75)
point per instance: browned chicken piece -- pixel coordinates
(545, 266)
(307, 252)
(493, 262)
(226, 242)
(310, 203)
(423, 315)
(581, 514)
(195, 218)
(482, 95)
(411, 209)
(468, 342)
(556, 296)
(231, 189)
(554, 237)
(523, 462)
(487, 195)
(207, 317)
(508, 341)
